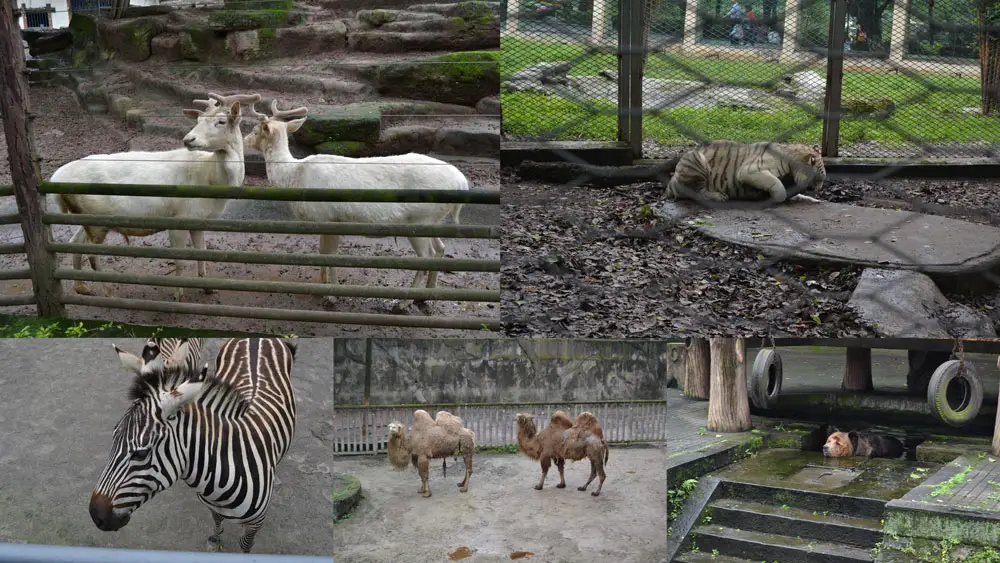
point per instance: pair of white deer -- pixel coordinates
(213, 155)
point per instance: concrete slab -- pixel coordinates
(846, 234)
(61, 400)
(502, 513)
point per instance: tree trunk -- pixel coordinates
(995, 449)
(698, 370)
(118, 11)
(989, 56)
(858, 370)
(869, 14)
(728, 403)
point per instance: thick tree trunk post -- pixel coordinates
(24, 169)
(728, 403)
(858, 370)
(989, 55)
(698, 370)
(995, 449)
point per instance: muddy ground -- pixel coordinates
(597, 262)
(64, 132)
(502, 513)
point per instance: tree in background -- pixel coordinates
(118, 10)
(988, 16)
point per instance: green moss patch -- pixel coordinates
(260, 4)
(360, 123)
(467, 78)
(83, 27)
(196, 43)
(342, 148)
(241, 20)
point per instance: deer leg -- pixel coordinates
(328, 244)
(545, 469)
(81, 236)
(215, 540)
(467, 454)
(560, 465)
(198, 242)
(423, 467)
(422, 248)
(178, 239)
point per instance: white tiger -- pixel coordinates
(725, 170)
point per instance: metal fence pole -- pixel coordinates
(20, 553)
(630, 73)
(24, 168)
(834, 78)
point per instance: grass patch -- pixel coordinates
(930, 108)
(508, 449)
(42, 327)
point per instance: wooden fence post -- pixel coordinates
(728, 402)
(995, 448)
(834, 79)
(24, 169)
(630, 57)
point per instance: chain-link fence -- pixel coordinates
(908, 74)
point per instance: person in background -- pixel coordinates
(751, 26)
(735, 15)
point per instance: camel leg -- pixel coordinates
(444, 467)
(596, 466)
(464, 485)
(545, 470)
(424, 468)
(198, 242)
(560, 465)
(593, 473)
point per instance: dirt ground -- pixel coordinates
(502, 513)
(64, 132)
(592, 262)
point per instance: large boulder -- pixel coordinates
(361, 123)
(130, 40)
(197, 43)
(241, 20)
(319, 38)
(468, 78)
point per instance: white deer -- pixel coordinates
(407, 171)
(213, 155)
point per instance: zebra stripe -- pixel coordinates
(160, 352)
(225, 443)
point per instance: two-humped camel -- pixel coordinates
(429, 439)
(565, 439)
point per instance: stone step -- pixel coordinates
(856, 507)
(753, 516)
(708, 557)
(759, 546)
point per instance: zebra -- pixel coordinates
(157, 351)
(222, 435)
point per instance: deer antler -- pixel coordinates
(229, 100)
(276, 113)
(253, 111)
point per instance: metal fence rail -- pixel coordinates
(56, 301)
(22, 553)
(360, 429)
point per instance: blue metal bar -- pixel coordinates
(21, 553)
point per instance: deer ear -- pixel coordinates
(234, 110)
(131, 362)
(192, 113)
(294, 125)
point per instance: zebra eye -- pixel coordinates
(138, 454)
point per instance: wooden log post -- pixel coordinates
(24, 169)
(858, 370)
(728, 403)
(697, 372)
(995, 448)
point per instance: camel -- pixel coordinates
(564, 439)
(429, 439)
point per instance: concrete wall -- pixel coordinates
(501, 370)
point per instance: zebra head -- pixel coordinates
(159, 352)
(146, 450)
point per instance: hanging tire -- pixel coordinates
(955, 395)
(764, 379)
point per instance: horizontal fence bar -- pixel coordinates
(12, 300)
(262, 313)
(269, 193)
(519, 404)
(24, 274)
(281, 227)
(365, 431)
(10, 219)
(22, 553)
(14, 248)
(299, 288)
(338, 260)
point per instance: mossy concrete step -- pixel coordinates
(708, 557)
(753, 516)
(857, 507)
(346, 494)
(759, 546)
(289, 81)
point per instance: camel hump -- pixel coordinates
(560, 418)
(586, 419)
(421, 418)
(445, 417)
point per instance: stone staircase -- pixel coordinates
(751, 523)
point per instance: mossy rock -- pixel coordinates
(472, 11)
(377, 18)
(362, 124)
(83, 27)
(343, 148)
(242, 20)
(196, 43)
(470, 77)
(346, 494)
(130, 39)
(867, 106)
(260, 4)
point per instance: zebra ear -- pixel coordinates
(131, 362)
(182, 351)
(171, 402)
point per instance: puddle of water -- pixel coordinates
(460, 553)
(520, 554)
(878, 478)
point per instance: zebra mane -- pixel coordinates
(149, 384)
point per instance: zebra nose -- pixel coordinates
(102, 515)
